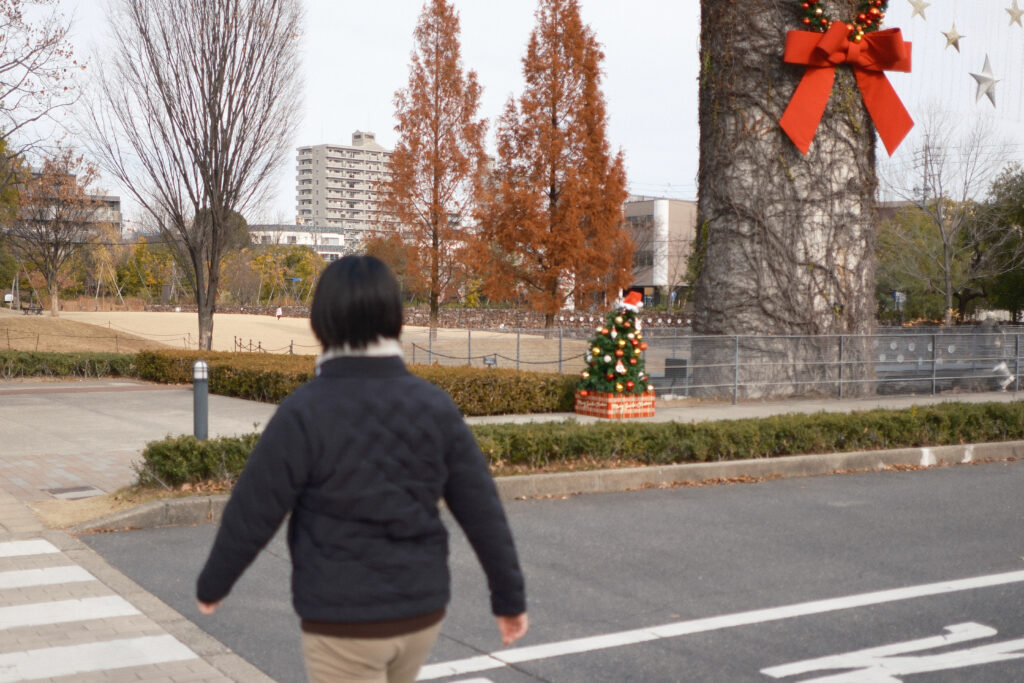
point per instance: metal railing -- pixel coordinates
(840, 366)
(894, 361)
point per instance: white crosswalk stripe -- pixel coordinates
(17, 583)
(35, 546)
(78, 659)
(50, 576)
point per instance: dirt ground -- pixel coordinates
(130, 331)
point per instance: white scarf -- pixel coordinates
(377, 348)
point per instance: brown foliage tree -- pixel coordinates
(193, 113)
(553, 225)
(56, 217)
(404, 260)
(440, 151)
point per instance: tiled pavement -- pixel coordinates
(66, 615)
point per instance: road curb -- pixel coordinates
(208, 509)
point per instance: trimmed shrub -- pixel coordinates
(540, 445)
(481, 391)
(184, 459)
(14, 364)
(269, 378)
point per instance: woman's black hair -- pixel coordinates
(357, 301)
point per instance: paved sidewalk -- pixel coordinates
(65, 614)
(78, 437)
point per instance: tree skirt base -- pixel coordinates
(615, 406)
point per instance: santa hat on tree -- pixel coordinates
(633, 301)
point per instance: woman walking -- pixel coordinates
(360, 456)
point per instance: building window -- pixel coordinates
(643, 259)
(292, 239)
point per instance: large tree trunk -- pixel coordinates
(788, 237)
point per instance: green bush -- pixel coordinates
(269, 378)
(14, 364)
(481, 391)
(184, 459)
(253, 376)
(539, 445)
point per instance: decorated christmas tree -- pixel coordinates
(615, 361)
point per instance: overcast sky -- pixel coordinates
(356, 54)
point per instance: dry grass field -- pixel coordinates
(131, 331)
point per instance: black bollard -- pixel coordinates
(200, 399)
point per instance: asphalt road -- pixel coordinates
(895, 576)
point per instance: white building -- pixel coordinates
(330, 242)
(663, 231)
(337, 184)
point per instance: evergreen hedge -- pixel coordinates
(17, 364)
(269, 378)
(537, 445)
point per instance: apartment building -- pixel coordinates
(337, 184)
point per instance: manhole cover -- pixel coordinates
(75, 492)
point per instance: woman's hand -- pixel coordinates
(513, 628)
(207, 607)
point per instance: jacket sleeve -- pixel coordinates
(265, 492)
(473, 499)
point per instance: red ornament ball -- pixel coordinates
(584, 392)
(618, 353)
(610, 376)
(630, 385)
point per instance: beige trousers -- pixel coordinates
(367, 660)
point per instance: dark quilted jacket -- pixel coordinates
(360, 456)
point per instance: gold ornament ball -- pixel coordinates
(596, 350)
(622, 342)
(618, 320)
(618, 387)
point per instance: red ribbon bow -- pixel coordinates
(821, 53)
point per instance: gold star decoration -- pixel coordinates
(953, 38)
(986, 83)
(919, 7)
(1015, 13)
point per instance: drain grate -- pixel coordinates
(75, 492)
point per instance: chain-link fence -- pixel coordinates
(893, 361)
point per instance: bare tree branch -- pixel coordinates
(193, 112)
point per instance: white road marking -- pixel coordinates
(20, 548)
(48, 576)
(883, 664)
(78, 659)
(65, 611)
(502, 658)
